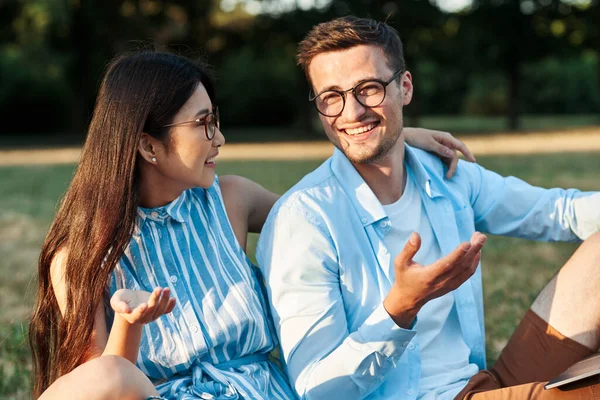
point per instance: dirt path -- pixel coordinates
(572, 140)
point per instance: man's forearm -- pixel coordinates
(354, 367)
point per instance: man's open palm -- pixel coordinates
(423, 283)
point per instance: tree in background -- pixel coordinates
(52, 53)
(508, 34)
(72, 41)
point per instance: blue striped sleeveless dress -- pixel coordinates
(214, 344)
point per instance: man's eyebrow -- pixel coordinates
(336, 87)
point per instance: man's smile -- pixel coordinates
(359, 130)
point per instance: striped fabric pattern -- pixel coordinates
(221, 315)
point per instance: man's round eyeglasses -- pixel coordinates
(369, 93)
(210, 121)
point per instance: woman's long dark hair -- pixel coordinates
(140, 92)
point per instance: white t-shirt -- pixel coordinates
(445, 367)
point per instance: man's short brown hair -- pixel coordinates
(347, 32)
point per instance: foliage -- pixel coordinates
(509, 34)
(271, 79)
(487, 94)
(33, 97)
(493, 57)
(568, 86)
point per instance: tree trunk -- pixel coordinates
(514, 61)
(514, 106)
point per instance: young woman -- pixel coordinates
(144, 217)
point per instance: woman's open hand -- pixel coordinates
(141, 307)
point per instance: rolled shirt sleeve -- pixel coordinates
(511, 207)
(324, 359)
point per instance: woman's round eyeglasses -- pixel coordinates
(369, 93)
(210, 121)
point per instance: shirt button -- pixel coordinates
(410, 392)
(383, 224)
(411, 346)
(363, 220)
(154, 214)
(173, 279)
(194, 328)
(405, 344)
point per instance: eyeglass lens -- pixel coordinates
(212, 123)
(368, 94)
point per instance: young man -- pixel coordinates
(365, 307)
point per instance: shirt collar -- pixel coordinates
(178, 209)
(422, 178)
(364, 200)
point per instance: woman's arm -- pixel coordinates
(99, 332)
(247, 204)
(133, 308)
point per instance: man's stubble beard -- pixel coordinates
(379, 153)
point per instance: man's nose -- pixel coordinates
(353, 110)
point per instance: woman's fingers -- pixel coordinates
(446, 146)
(154, 298)
(171, 305)
(163, 303)
(456, 144)
(146, 306)
(138, 314)
(452, 167)
(440, 147)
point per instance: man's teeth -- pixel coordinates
(362, 129)
(210, 160)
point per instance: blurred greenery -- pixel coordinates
(491, 58)
(514, 270)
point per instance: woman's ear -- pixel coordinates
(147, 147)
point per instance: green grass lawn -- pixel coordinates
(514, 270)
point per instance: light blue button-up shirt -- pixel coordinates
(327, 268)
